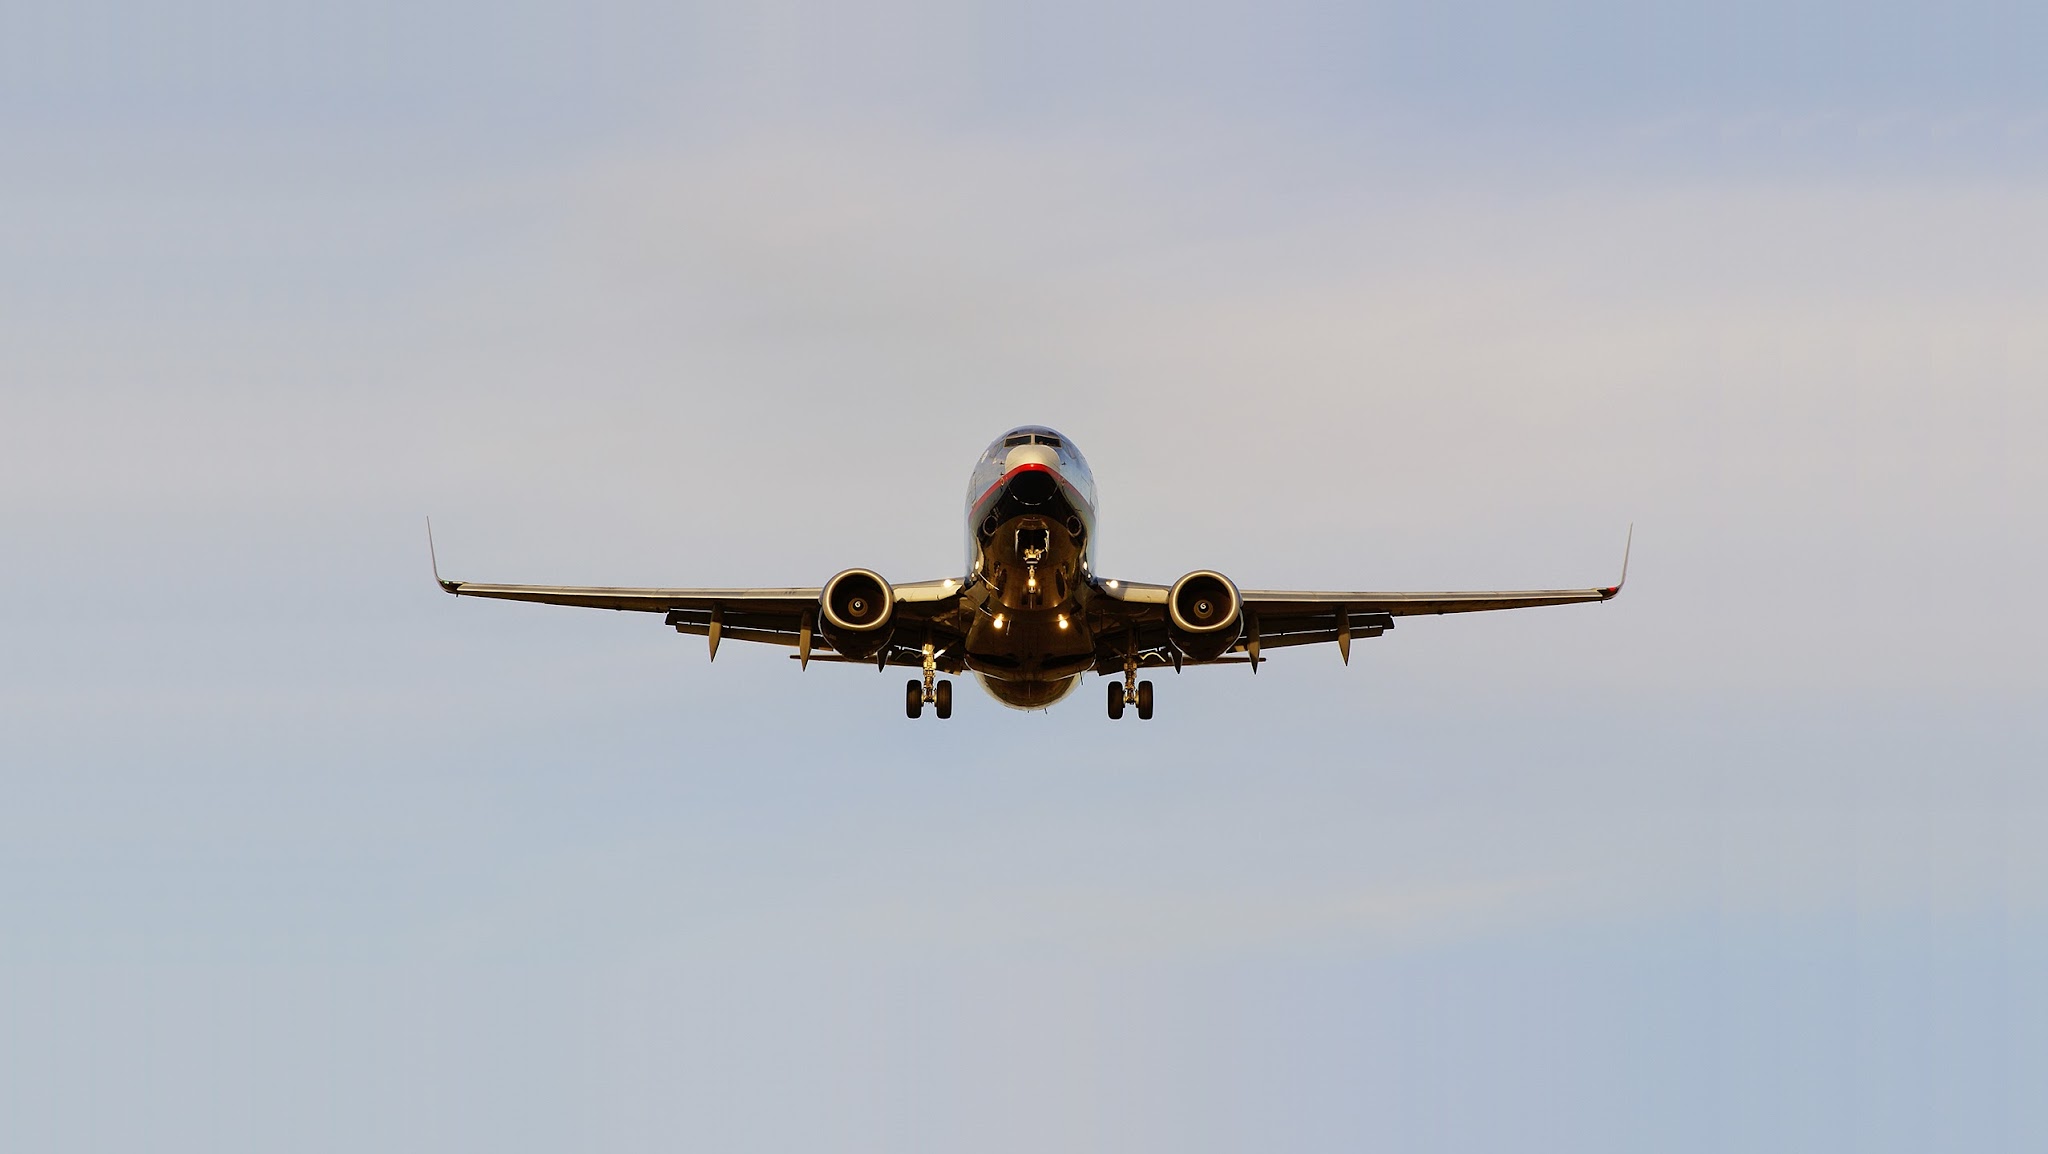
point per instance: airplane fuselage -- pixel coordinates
(1031, 558)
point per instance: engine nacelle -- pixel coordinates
(1204, 615)
(854, 612)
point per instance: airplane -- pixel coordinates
(1031, 614)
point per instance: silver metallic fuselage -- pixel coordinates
(1031, 561)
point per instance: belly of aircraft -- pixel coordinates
(1037, 693)
(1030, 646)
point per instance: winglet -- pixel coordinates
(448, 586)
(1609, 592)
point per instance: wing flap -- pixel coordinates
(1281, 630)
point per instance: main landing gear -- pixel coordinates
(1131, 692)
(916, 692)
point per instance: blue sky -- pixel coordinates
(298, 852)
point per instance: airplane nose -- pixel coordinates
(1033, 486)
(1030, 455)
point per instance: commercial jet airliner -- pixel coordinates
(1031, 614)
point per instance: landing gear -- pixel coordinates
(917, 691)
(1032, 544)
(1131, 692)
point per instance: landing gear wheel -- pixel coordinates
(1144, 701)
(942, 700)
(1116, 700)
(913, 698)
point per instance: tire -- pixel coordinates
(913, 698)
(944, 705)
(1116, 700)
(1144, 701)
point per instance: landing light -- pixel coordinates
(1063, 621)
(999, 621)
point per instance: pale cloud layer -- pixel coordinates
(1747, 859)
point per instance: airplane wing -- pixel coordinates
(775, 616)
(1277, 619)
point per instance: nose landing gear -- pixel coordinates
(1032, 545)
(916, 692)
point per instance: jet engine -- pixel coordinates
(854, 611)
(1204, 614)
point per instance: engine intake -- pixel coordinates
(1204, 614)
(854, 612)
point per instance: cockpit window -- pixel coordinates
(1019, 439)
(1042, 439)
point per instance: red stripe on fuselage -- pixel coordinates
(1073, 494)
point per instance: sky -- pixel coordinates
(298, 853)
